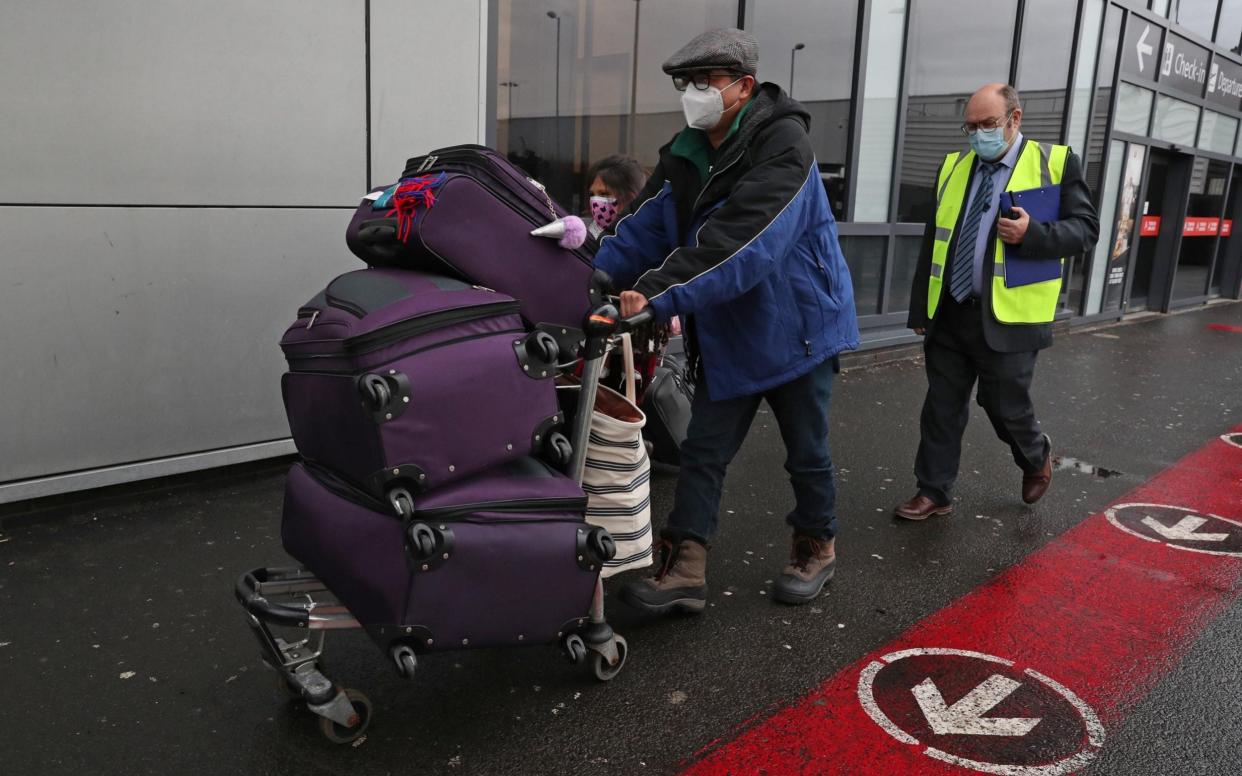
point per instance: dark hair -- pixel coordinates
(623, 174)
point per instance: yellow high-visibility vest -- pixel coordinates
(1038, 165)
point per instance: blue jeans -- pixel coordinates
(718, 428)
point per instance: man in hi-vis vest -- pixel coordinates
(986, 290)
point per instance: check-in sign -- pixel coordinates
(1184, 66)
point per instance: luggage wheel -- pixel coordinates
(345, 718)
(609, 658)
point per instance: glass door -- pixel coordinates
(1151, 222)
(1229, 247)
(1200, 229)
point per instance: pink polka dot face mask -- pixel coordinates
(604, 211)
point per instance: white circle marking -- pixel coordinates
(1095, 728)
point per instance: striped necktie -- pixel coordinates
(962, 273)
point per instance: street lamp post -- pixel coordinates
(557, 111)
(510, 85)
(792, 53)
(630, 129)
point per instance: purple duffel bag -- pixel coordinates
(405, 378)
(502, 558)
(468, 211)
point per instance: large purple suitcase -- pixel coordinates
(502, 558)
(468, 211)
(405, 378)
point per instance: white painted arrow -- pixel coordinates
(966, 716)
(1144, 47)
(1184, 530)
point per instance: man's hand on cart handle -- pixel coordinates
(632, 303)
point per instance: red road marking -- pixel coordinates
(1225, 327)
(1102, 612)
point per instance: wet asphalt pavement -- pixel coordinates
(123, 651)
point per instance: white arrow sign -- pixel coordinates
(1144, 48)
(966, 716)
(1184, 530)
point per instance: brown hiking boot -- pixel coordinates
(680, 581)
(812, 563)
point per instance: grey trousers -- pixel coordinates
(958, 356)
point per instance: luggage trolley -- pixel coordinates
(295, 599)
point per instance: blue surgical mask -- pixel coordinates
(989, 144)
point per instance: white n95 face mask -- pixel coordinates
(704, 108)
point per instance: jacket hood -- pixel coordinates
(769, 104)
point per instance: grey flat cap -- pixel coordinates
(728, 49)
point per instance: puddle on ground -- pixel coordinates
(1065, 463)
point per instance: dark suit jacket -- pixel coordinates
(1074, 233)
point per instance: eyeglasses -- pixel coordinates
(970, 128)
(701, 81)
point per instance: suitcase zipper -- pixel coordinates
(349, 371)
(388, 335)
(508, 507)
(344, 490)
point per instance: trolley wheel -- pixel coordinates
(422, 540)
(406, 660)
(601, 543)
(603, 670)
(376, 392)
(559, 449)
(542, 346)
(339, 734)
(574, 648)
(402, 502)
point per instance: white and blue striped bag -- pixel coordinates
(617, 477)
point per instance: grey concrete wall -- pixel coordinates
(175, 180)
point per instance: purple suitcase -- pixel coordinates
(468, 211)
(404, 378)
(502, 558)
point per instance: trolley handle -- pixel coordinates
(643, 316)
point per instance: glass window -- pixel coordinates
(865, 257)
(1043, 65)
(1107, 66)
(1198, 16)
(878, 129)
(567, 94)
(808, 46)
(1133, 109)
(905, 258)
(1176, 121)
(1217, 132)
(1229, 31)
(955, 46)
(1084, 77)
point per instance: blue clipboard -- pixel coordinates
(1043, 205)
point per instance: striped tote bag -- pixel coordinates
(617, 477)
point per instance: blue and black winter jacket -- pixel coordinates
(749, 259)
